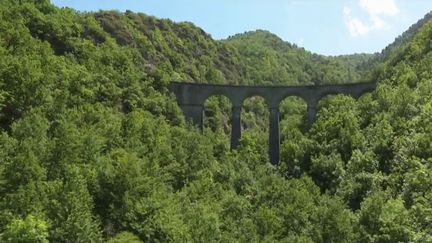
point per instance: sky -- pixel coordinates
(329, 27)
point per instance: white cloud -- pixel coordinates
(355, 26)
(378, 23)
(380, 7)
(376, 9)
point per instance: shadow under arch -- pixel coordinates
(217, 93)
(294, 124)
(294, 110)
(254, 113)
(217, 113)
(255, 121)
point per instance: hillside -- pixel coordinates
(93, 148)
(269, 59)
(404, 38)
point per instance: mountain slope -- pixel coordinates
(270, 60)
(380, 154)
(405, 37)
(93, 148)
(187, 52)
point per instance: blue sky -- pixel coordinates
(329, 27)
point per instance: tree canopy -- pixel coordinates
(94, 148)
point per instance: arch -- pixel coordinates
(354, 95)
(301, 97)
(295, 108)
(296, 95)
(324, 99)
(294, 122)
(256, 118)
(253, 94)
(217, 107)
(248, 100)
(354, 90)
(330, 93)
(308, 95)
(217, 92)
(255, 113)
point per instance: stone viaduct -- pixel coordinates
(192, 96)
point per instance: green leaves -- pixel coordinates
(385, 220)
(93, 147)
(270, 60)
(30, 229)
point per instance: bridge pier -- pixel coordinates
(235, 127)
(312, 111)
(274, 138)
(195, 113)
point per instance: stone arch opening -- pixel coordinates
(293, 114)
(331, 99)
(255, 113)
(217, 111)
(209, 94)
(255, 121)
(294, 124)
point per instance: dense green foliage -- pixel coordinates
(403, 39)
(93, 148)
(270, 60)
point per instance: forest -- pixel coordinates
(94, 148)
